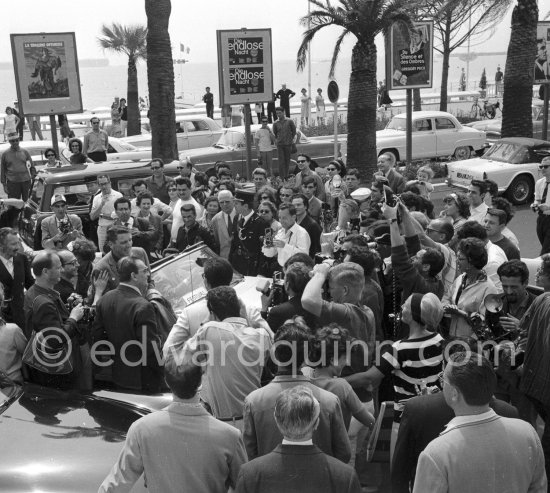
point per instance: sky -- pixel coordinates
(192, 23)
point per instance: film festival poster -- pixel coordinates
(541, 69)
(411, 56)
(46, 69)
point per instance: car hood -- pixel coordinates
(478, 165)
(388, 133)
(486, 125)
(63, 442)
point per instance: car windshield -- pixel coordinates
(397, 124)
(505, 152)
(181, 280)
(9, 392)
(231, 138)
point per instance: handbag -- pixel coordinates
(42, 357)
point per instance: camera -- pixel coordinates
(268, 238)
(389, 197)
(535, 207)
(74, 300)
(277, 288)
(65, 226)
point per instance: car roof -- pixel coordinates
(426, 114)
(526, 141)
(31, 144)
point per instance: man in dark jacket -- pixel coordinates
(127, 321)
(387, 174)
(312, 227)
(192, 232)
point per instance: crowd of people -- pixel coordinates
(368, 294)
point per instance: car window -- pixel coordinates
(231, 138)
(444, 124)
(124, 186)
(181, 281)
(201, 125)
(424, 125)
(189, 126)
(37, 191)
(397, 124)
(76, 193)
(111, 149)
(502, 151)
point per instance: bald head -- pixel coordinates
(440, 230)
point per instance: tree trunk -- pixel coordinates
(362, 102)
(518, 82)
(417, 100)
(160, 79)
(134, 118)
(445, 69)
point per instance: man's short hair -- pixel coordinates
(220, 164)
(292, 341)
(504, 205)
(472, 229)
(127, 266)
(365, 257)
(475, 252)
(308, 180)
(356, 240)
(302, 197)
(184, 379)
(473, 376)
(308, 159)
(229, 186)
(348, 274)
(156, 160)
(144, 195)
(4, 233)
(107, 177)
(122, 200)
(217, 272)
(501, 215)
(390, 156)
(296, 412)
(114, 231)
(43, 260)
(435, 259)
(183, 180)
(447, 229)
(482, 185)
(139, 183)
(288, 207)
(225, 172)
(279, 108)
(223, 302)
(297, 277)
(189, 208)
(299, 258)
(260, 171)
(514, 268)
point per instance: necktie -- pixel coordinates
(545, 193)
(241, 222)
(229, 224)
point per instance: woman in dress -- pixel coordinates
(10, 123)
(77, 156)
(335, 186)
(116, 129)
(144, 201)
(268, 212)
(320, 107)
(305, 114)
(211, 208)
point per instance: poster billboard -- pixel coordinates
(409, 56)
(46, 73)
(541, 72)
(245, 66)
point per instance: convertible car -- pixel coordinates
(66, 442)
(512, 163)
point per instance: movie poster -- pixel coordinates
(541, 71)
(46, 66)
(409, 56)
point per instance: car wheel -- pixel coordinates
(463, 152)
(520, 190)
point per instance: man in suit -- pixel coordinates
(387, 173)
(127, 321)
(303, 219)
(15, 275)
(479, 450)
(261, 434)
(144, 235)
(248, 232)
(59, 229)
(200, 454)
(315, 206)
(297, 464)
(222, 222)
(119, 239)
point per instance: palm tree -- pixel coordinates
(364, 19)
(160, 78)
(129, 40)
(518, 83)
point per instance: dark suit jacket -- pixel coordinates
(395, 180)
(424, 418)
(314, 231)
(246, 245)
(144, 235)
(123, 315)
(297, 468)
(280, 313)
(14, 288)
(195, 235)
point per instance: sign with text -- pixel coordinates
(541, 72)
(409, 56)
(245, 67)
(46, 73)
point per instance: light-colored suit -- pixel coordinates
(222, 235)
(49, 230)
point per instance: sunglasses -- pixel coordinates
(264, 197)
(180, 167)
(154, 168)
(264, 211)
(50, 155)
(301, 161)
(285, 194)
(331, 169)
(542, 166)
(13, 141)
(172, 189)
(95, 123)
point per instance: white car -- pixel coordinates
(119, 150)
(35, 148)
(512, 163)
(435, 134)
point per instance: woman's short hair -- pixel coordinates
(426, 169)
(84, 249)
(271, 206)
(475, 252)
(78, 141)
(50, 149)
(212, 198)
(201, 179)
(462, 203)
(144, 195)
(266, 191)
(331, 342)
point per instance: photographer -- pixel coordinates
(296, 279)
(59, 229)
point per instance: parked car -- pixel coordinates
(435, 134)
(192, 132)
(118, 150)
(512, 163)
(231, 148)
(492, 128)
(36, 149)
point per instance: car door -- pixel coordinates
(423, 139)
(199, 135)
(446, 134)
(537, 123)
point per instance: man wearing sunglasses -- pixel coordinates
(17, 170)
(541, 205)
(158, 183)
(304, 161)
(96, 142)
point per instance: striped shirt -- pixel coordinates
(412, 361)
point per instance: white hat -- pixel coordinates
(58, 198)
(361, 194)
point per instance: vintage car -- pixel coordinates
(435, 134)
(36, 149)
(192, 132)
(231, 148)
(492, 127)
(512, 163)
(118, 150)
(67, 442)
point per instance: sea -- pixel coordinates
(100, 85)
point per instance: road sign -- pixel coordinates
(333, 91)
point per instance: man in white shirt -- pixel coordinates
(291, 238)
(541, 205)
(223, 222)
(183, 186)
(265, 139)
(103, 207)
(478, 208)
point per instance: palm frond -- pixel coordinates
(301, 56)
(130, 40)
(336, 52)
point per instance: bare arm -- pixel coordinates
(312, 300)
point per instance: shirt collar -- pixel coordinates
(246, 218)
(236, 320)
(467, 420)
(480, 208)
(135, 288)
(291, 442)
